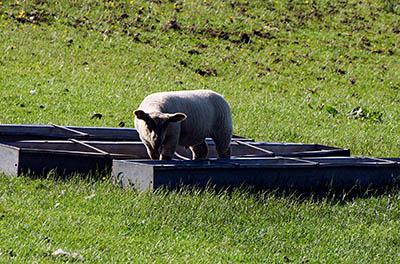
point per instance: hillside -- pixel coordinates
(299, 71)
(323, 72)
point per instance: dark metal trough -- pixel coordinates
(315, 174)
(39, 149)
(66, 150)
(69, 156)
(57, 132)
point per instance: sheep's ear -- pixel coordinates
(177, 117)
(140, 114)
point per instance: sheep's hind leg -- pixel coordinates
(226, 154)
(200, 151)
(223, 147)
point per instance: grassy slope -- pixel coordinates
(301, 58)
(62, 62)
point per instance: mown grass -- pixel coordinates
(292, 71)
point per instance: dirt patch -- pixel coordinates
(172, 24)
(204, 72)
(32, 17)
(193, 52)
(234, 37)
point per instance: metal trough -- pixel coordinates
(39, 149)
(271, 149)
(261, 173)
(57, 132)
(40, 161)
(69, 156)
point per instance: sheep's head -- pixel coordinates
(154, 131)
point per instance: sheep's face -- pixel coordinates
(154, 131)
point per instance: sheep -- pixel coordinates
(167, 119)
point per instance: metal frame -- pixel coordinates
(36, 149)
(72, 155)
(263, 173)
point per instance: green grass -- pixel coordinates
(104, 224)
(301, 58)
(292, 71)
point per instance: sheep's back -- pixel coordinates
(207, 112)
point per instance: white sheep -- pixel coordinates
(168, 119)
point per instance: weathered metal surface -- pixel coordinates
(260, 173)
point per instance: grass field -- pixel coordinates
(293, 71)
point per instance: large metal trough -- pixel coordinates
(70, 156)
(317, 173)
(66, 150)
(39, 149)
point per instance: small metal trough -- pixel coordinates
(317, 173)
(57, 132)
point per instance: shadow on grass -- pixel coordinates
(327, 194)
(324, 193)
(90, 177)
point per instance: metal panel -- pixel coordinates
(267, 173)
(62, 163)
(14, 161)
(138, 177)
(9, 160)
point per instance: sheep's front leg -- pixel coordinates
(168, 148)
(200, 151)
(154, 155)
